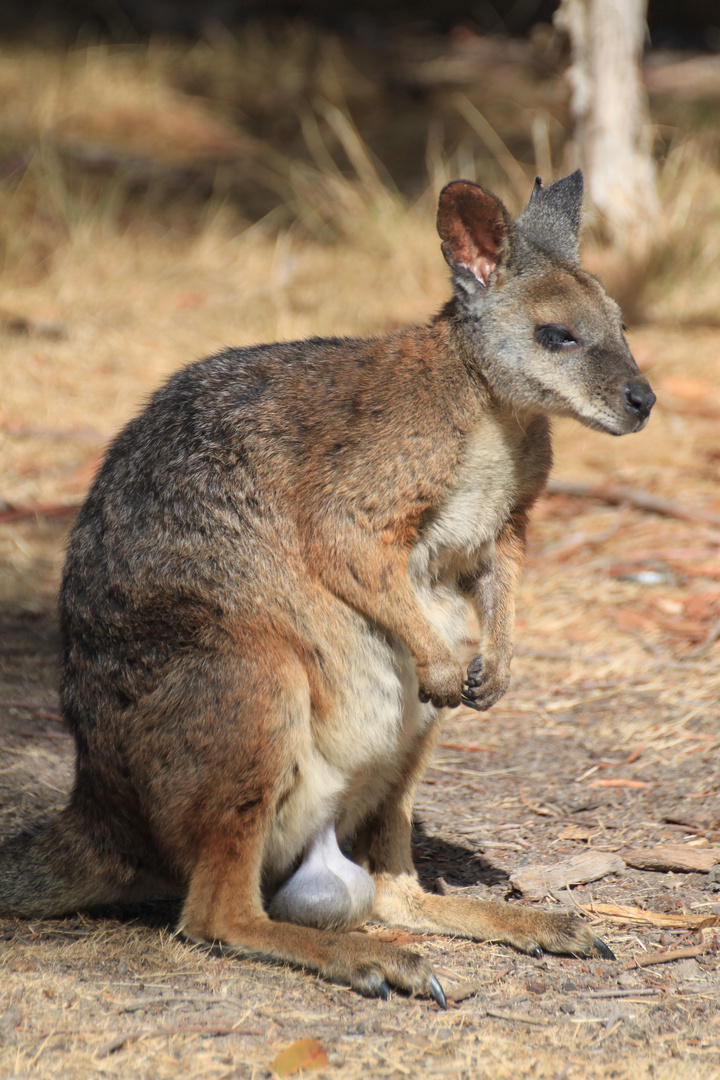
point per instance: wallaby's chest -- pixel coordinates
(503, 464)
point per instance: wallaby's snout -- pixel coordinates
(639, 400)
(607, 390)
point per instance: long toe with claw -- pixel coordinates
(437, 992)
(603, 950)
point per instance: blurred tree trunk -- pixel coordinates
(609, 105)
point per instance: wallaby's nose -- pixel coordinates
(639, 399)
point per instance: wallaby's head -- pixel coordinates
(545, 333)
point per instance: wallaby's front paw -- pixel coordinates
(441, 683)
(485, 684)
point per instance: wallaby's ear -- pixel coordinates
(552, 217)
(473, 227)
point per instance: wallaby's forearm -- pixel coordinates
(492, 593)
(371, 575)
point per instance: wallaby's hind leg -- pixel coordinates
(384, 847)
(231, 823)
(224, 905)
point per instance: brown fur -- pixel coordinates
(265, 589)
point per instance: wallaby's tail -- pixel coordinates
(57, 871)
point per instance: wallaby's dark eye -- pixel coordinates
(624, 328)
(554, 337)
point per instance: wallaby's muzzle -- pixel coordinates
(639, 400)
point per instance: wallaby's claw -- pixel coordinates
(475, 667)
(603, 950)
(538, 953)
(484, 684)
(441, 684)
(384, 991)
(437, 992)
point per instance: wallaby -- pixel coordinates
(265, 590)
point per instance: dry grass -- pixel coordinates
(133, 241)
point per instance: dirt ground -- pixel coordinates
(607, 740)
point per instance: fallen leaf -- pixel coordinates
(618, 782)
(305, 1054)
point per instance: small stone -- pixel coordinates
(688, 969)
(462, 991)
(569, 987)
(122, 968)
(536, 986)
(567, 1007)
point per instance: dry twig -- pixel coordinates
(36, 510)
(182, 1029)
(616, 495)
(665, 957)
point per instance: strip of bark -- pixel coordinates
(640, 991)
(617, 495)
(676, 857)
(622, 913)
(536, 882)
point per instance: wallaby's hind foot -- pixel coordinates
(356, 960)
(402, 902)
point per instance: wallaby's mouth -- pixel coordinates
(626, 413)
(615, 418)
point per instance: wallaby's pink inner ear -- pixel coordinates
(472, 225)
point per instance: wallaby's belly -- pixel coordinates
(351, 757)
